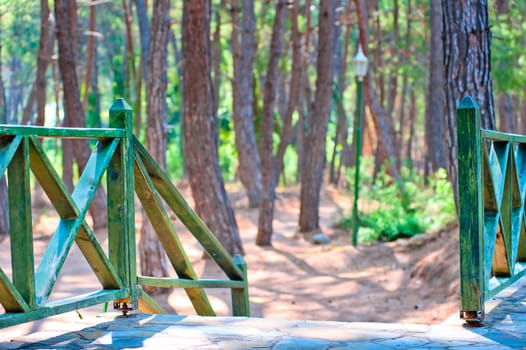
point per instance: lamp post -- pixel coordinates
(360, 63)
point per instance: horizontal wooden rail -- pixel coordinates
(502, 136)
(94, 133)
(167, 282)
(64, 305)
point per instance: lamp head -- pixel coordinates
(360, 63)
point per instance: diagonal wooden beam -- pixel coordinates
(8, 147)
(173, 247)
(10, 298)
(185, 213)
(72, 225)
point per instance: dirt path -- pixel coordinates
(408, 281)
(411, 281)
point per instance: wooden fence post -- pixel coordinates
(240, 303)
(471, 211)
(121, 211)
(21, 224)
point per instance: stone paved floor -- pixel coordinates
(504, 328)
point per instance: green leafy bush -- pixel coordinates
(404, 208)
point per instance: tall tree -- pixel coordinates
(384, 129)
(73, 111)
(4, 215)
(216, 53)
(243, 49)
(153, 261)
(144, 36)
(314, 147)
(294, 92)
(467, 62)
(90, 53)
(266, 211)
(45, 50)
(434, 120)
(200, 131)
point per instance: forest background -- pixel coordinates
(262, 93)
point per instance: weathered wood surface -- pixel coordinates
(129, 169)
(165, 230)
(186, 214)
(492, 197)
(95, 133)
(471, 217)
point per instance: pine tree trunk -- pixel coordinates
(304, 98)
(73, 111)
(200, 132)
(4, 213)
(90, 53)
(243, 49)
(216, 55)
(314, 148)
(522, 118)
(144, 37)
(506, 113)
(153, 260)
(266, 211)
(467, 53)
(383, 126)
(45, 50)
(434, 121)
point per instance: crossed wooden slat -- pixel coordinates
(29, 291)
(504, 216)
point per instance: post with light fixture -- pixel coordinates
(360, 63)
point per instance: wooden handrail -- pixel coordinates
(129, 168)
(492, 221)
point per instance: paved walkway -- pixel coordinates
(504, 328)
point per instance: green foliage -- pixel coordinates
(405, 208)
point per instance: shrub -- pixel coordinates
(404, 208)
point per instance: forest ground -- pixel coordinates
(406, 281)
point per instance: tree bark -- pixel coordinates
(434, 121)
(304, 97)
(467, 62)
(130, 57)
(314, 148)
(243, 49)
(266, 211)
(45, 50)
(216, 56)
(200, 132)
(506, 120)
(522, 117)
(73, 111)
(144, 36)
(343, 122)
(90, 53)
(4, 213)
(294, 93)
(153, 260)
(383, 126)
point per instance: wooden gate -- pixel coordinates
(492, 190)
(127, 168)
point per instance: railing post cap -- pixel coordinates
(468, 103)
(120, 104)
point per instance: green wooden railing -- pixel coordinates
(128, 168)
(492, 190)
